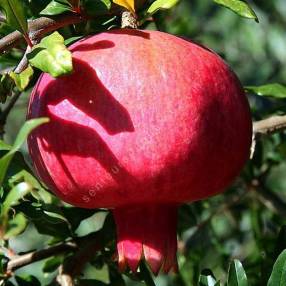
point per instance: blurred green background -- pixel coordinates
(247, 222)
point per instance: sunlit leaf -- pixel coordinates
(52, 56)
(25, 176)
(15, 226)
(22, 79)
(15, 196)
(161, 5)
(272, 90)
(240, 7)
(207, 278)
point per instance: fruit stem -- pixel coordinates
(129, 20)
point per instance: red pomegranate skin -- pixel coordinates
(147, 121)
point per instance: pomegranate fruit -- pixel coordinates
(146, 122)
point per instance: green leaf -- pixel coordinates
(47, 219)
(3, 261)
(55, 215)
(240, 7)
(236, 274)
(21, 137)
(29, 280)
(6, 87)
(272, 90)
(4, 146)
(72, 40)
(96, 8)
(15, 14)
(52, 264)
(52, 226)
(15, 226)
(146, 275)
(81, 214)
(57, 7)
(25, 176)
(278, 275)
(15, 196)
(161, 4)
(22, 79)
(206, 278)
(52, 56)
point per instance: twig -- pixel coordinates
(267, 126)
(271, 201)
(64, 278)
(83, 248)
(23, 64)
(85, 254)
(228, 204)
(29, 258)
(270, 125)
(37, 28)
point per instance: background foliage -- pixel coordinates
(234, 238)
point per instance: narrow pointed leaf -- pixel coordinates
(272, 90)
(278, 275)
(207, 278)
(236, 274)
(240, 7)
(161, 5)
(146, 275)
(22, 135)
(15, 14)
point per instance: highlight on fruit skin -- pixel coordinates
(146, 122)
